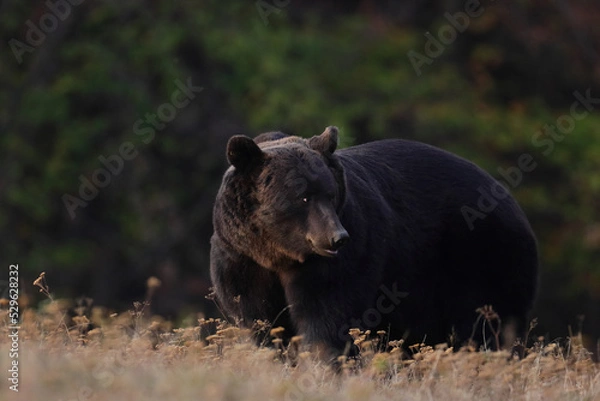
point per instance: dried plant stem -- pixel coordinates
(45, 289)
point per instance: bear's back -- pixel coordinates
(413, 169)
(410, 158)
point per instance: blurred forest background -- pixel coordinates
(81, 81)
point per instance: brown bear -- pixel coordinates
(375, 236)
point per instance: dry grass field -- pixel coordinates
(131, 356)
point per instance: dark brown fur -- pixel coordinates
(412, 264)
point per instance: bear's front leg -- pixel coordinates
(246, 290)
(323, 308)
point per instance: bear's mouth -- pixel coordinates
(322, 251)
(329, 253)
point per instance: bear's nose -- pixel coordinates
(339, 239)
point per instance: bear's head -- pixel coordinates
(279, 201)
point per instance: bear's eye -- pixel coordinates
(305, 199)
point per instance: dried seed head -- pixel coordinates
(214, 338)
(81, 320)
(211, 295)
(229, 332)
(153, 283)
(354, 333)
(38, 281)
(277, 331)
(154, 326)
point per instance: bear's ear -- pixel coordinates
(326, 142)
(243, 152)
